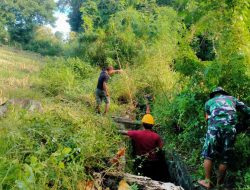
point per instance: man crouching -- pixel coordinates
(147, 146)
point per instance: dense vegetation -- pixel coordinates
(62, 144)
(176, 50)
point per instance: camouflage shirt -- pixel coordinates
(221, 111)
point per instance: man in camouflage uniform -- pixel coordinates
(221, 113)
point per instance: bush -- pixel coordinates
(45, 47)
(55, 149)
(64, 76)
(58, 79)
(43, 41)
(81, 69)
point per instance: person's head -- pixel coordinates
(110, 69)
(218, 91)
(147, 126)
(148, 121)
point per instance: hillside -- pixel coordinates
(51, 136)
(172, 54)
(18, 69)
(48, 139)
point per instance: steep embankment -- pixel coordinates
(17, 69)
(49, 134)
(51, 137)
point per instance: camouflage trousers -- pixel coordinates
(219, 143)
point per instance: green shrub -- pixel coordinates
(57, 148)
(45, 42)
(58, 79)
(81, 69)
(45, 47)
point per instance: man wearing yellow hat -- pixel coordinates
(147, 146)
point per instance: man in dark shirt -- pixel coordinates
(101, 92)
(147, 146)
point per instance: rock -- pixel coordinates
(3, 110)
(35, 106)
(30, 105)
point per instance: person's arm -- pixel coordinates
(117, 71)
(147, 109)
(131, 133)
(241, 106)
(123, 132)
(206, 116)
(160, 143)
(105, 88)
(207, 111)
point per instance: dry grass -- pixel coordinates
(18, 69)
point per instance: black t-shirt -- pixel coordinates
(104, 77)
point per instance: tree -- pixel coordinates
(75, 16)
(20, 17)
(45, 42)
(59, 35)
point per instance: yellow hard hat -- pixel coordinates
(148, 118)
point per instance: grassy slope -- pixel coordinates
(34, 146)
(18, 70)
(67, 124)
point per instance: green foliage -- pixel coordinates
(178, 51)
(203, 48)
(81, 70)
(66, 142)
(4, 37)
(127, 35)
(58, 81)
(44, 47)
(45, 42)
(75, 15)
(97, 13)
(180, 64)
(227, 67)
(21, 17)
(134, 187)
(62, 76)
(53, 148)
(242, 152)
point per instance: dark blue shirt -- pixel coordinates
(104, 77)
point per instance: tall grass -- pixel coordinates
(67, 141)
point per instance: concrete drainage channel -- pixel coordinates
(178, 172)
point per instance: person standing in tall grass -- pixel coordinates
(102, 93)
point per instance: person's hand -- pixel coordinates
(107, 94)
(123, 132)
(120, 71)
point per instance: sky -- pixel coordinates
(61, 24)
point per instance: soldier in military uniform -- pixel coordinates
(221, 113)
